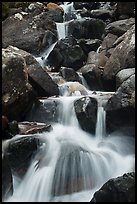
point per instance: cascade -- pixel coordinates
(73, 164)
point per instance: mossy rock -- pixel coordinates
(5, 10)
(23, 5)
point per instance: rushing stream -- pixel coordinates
(74, 164)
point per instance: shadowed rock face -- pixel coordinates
(120, 189)
(86, 112)
(120, 107)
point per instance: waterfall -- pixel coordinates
(43, 58)
(73, 163)
(62, 29)
(62, 32)
(101, 123)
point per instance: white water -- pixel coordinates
(74, 164)
(43, 58)
(62, 32)
(101, 123)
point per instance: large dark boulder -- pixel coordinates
(20, 151)
(124, 10)
(29, 32)
(17, 93)
(120, 189)
(86, 112)
(87, 28)
(46, 111)
(66, 53)
(120, 108)
(37, 76)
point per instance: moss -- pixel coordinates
(132, 100)
(5, 10)
(23, 5)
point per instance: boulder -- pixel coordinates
(20, 151)
(86, 112)
(30, 32)
(124, 10)
(120, 27)
(123, 75)
(69, 74)
(87, 28)
(89, 45)
(45, 111)
(26, 128)
(66, 53)
(40, 80)
(17, 93)
(120, 107)
(72, 88)
(92, 71)
(54, 7)
(122, 57)
(120, 189)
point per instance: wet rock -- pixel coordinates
(69, 74)
(72, 88)
(56, 77)
(89, 44)
(30, 32)
(26, 128)
(120, 189)
(45, 111)
(120, 107)
(54, 7)
(20, 152)
(103, 14)
(87, 28)
(124, 10)
(42, 82)
(120, 27)
(122, 57)
(66, 53)
(107, 42)
(37, 76)
(87, 5)
(86, 112)
(17, 93)
(93, 70)
(123, 75)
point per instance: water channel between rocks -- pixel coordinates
(74, 163)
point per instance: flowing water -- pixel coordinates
(74, 164)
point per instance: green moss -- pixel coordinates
(23, 5)
(5, 10)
